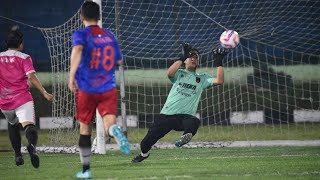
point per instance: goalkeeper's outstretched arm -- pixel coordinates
(220, 76)
(186, 48)
(219, 55)
(174, 68)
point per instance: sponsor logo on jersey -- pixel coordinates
(102, 40)
(189, 86)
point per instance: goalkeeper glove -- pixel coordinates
(219, 53)
(186, 48)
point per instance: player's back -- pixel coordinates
(14, 67)
(96, 72)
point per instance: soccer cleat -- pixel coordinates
(33, 156)
(84, 175)
(184, 140)
(121, 140)
(139, 158)
(19, 160)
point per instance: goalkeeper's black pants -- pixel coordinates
(166, 123)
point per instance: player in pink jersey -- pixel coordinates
(16, 102)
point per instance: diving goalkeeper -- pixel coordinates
(178, 113)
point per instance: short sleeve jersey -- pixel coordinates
(186, 92)
(14, 88)
(101, 52)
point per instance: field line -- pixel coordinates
(174, 159)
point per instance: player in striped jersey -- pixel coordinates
(94, 57)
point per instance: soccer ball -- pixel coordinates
(229, 39)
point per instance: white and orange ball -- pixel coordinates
(229, 39)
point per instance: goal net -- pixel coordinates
(271, 88)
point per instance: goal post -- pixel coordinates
(121, 76)
(100, 131)
(272, 80)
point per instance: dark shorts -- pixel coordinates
(177, 122)
(86, 105)
(166, 123)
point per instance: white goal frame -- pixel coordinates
(100, 132)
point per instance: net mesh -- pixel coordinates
(271, 78)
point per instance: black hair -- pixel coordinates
(14, 37)
(90, 11)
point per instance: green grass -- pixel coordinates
(201, 163)
(307, 131)
(301, 72)
(159, 77)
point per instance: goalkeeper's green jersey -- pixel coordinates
(186, 91)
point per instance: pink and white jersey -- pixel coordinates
(14, 88)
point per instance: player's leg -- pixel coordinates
(85, 110)
(156, 131)
(85, 149)
(14, 135)
(15, 139)
(107, 108)
(113, 130)
(190, 126)
(25, 114)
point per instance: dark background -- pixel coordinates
(44, 13)
(296, 28)
(295, 42)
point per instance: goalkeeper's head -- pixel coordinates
(90, 11)
(14, 38)
(192, 62)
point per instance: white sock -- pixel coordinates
(85, 155)
(144, 154)
(111, 129)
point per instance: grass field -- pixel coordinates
(158, 76)
(295, 131)
(202, 163)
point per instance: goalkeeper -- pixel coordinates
(178, 113)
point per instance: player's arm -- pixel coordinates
(219, 55)
(174, 68)
(120, 62)
(75, 61)
(186, 48)
(36, 82)
(220, 76)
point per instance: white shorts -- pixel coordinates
(22, 114)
